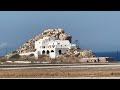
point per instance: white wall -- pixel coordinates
(27, 53)
(45, 42)
(63, 50)
(52, 54)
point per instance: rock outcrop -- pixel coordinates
(58, 34)
(80, 53)
(72, 55)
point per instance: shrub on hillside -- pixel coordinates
(16, 56)
(2, 60)
(14, 52)
(42, 56)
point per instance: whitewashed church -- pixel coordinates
(50, 46)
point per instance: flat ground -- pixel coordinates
(68, 72)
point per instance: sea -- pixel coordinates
(115, 55)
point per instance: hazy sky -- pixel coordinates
(95, 30)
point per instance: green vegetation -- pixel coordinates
(2, 60)
(16, 56)
(14, 52)
(77, 44)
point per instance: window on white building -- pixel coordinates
(53, 46)
(60, 52)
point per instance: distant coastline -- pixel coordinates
(114, 54)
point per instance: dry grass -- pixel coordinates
(62, 72)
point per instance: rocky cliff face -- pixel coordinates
(59, 34)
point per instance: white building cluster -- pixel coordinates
(51, 47)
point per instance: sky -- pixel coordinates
(98, 31)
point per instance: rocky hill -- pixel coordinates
(58, 34)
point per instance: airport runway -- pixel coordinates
(61, 71)
(42, 66)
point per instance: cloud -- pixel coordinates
(2, 45)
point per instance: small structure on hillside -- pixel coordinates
(97, 59)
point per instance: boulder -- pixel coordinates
(76, 53)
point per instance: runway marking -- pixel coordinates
(48, 67)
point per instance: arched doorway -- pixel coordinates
(48, 52)
(43, 52)
(52, 51)
(60, 52)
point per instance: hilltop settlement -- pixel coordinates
(53, 46)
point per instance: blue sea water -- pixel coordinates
(115, 55)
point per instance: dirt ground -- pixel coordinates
(60, 73)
